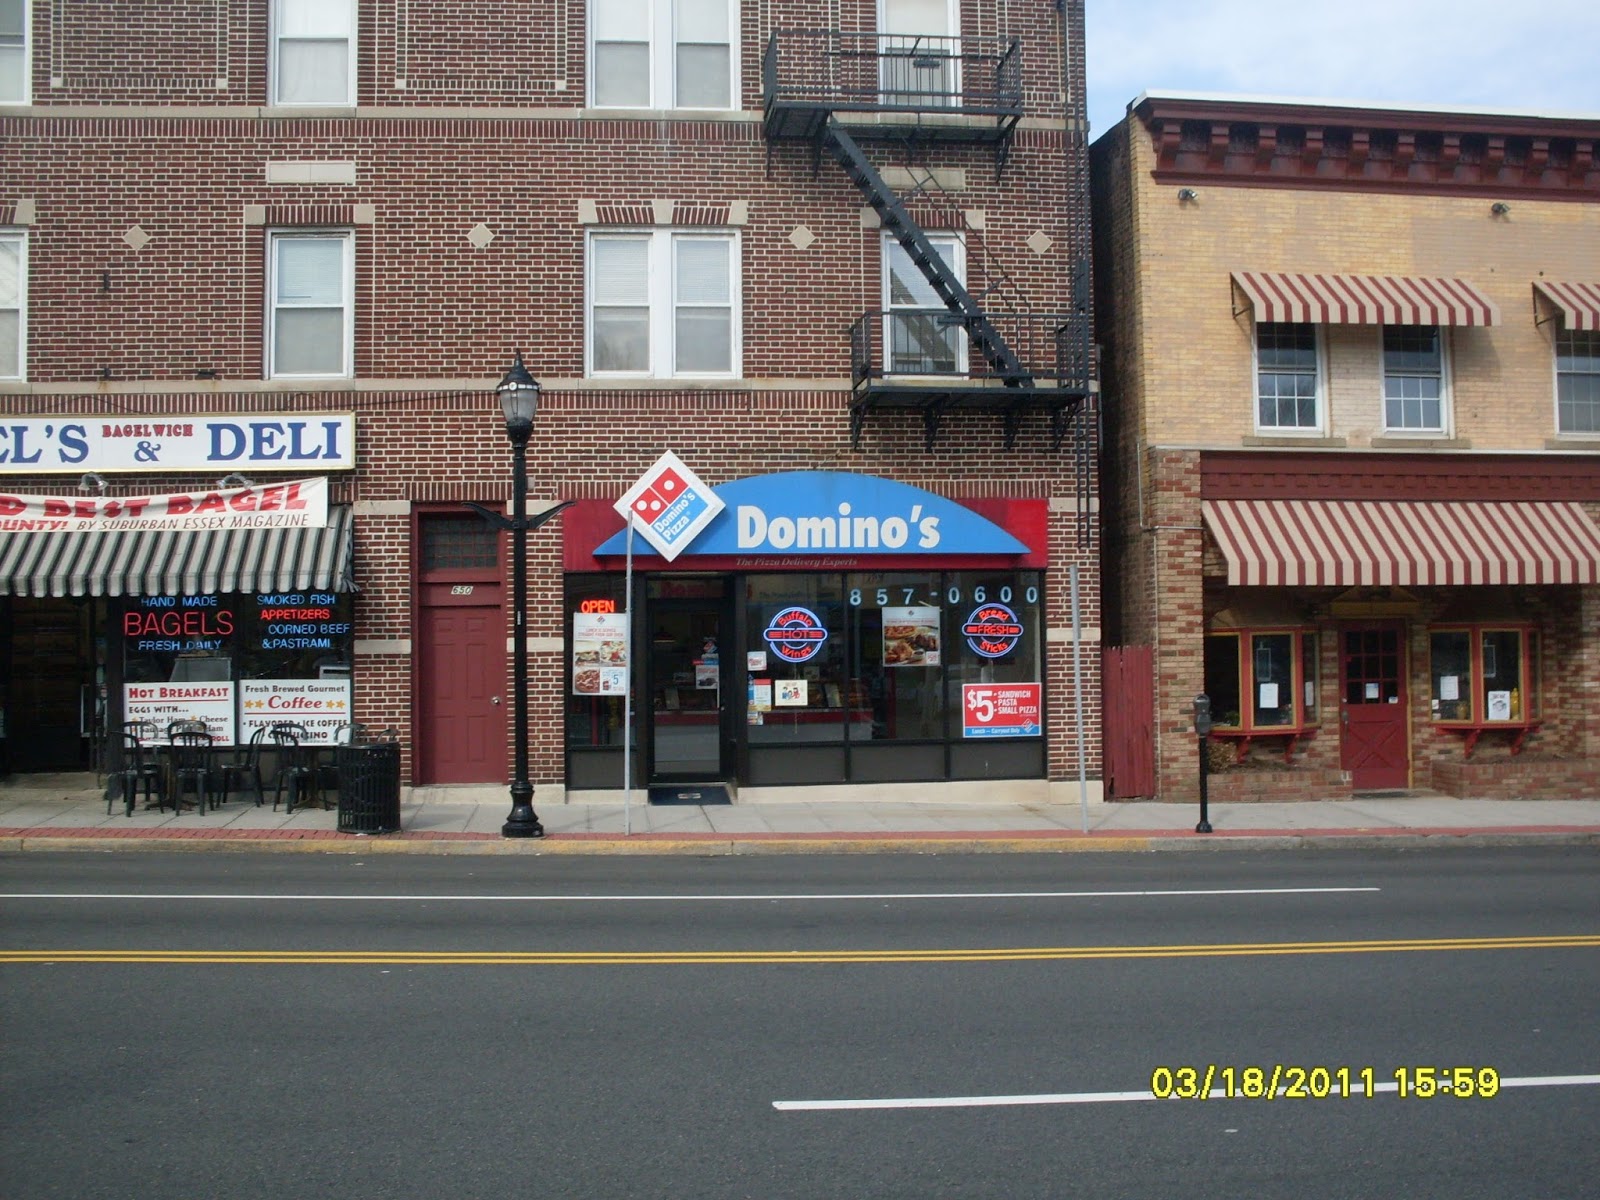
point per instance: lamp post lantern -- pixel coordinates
(518, 393)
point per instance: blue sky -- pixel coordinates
(1500, 55)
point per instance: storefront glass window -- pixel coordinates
(595, 604)
(1450, 666)
(996, 629)
(1272, 690)
(797, 622)
(1502, 675)
(897, 640)
(1264, 681)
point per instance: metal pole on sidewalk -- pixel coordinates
(1077, 690)
(627, 694)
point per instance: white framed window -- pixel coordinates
(314, 52)
(310, 313)
(1578, 382)
(1415, 395)
(13, 305)
(15, 82)
(1289, 378)
(921, 335)
(664, 303)
(663, 53)
(919, 56)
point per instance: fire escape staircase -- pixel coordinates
(812, 77)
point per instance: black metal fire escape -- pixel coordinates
(1031, 362)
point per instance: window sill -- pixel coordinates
(1472, 731)
(1295, 439)
(1243, 737)
(1393, 441)
(1574, 441)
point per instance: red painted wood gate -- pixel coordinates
(1128, 698)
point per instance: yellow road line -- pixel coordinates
(785, 957)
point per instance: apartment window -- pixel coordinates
(13, 305)
(662, 53)
(1413, 379)
(664, 303)
(1262, 681)
(14, 87)
(313, 52)
(923, 336)
(1483, 675)
(312, 303)
(1288, 377)
(1578, 382)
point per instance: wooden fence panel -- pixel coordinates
(1129, 700)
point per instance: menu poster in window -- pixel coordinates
(1499, 705)
(705, 676)
(791, 693)
(319, 705)
(599, 654)
(1449, 687)
(163, 703)
(910, 636)
(760, 696)
(1269, 695)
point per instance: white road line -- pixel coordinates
(1120, 1097)
(623, 898)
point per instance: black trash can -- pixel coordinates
(369, 787)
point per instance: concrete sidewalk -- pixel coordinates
(69, 812)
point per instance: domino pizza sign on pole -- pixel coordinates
(669, 506)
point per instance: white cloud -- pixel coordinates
(1528, 54)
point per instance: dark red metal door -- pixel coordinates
(461, 717)
(1373, 742)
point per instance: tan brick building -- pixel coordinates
(1353, 423)
(836, 254)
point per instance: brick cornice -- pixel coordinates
(1283, 144)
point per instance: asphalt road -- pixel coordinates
(892, 1026)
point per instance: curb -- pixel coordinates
(720, 845)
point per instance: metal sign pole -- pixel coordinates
(627, 694)
(1077, 688)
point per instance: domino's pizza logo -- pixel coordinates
(669, 506)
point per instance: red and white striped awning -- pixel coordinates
(1342, 543)
(1578, 303)
(1364, 299)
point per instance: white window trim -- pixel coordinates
(662, 47)
(25, 96)
(350, 60)
(347, 300)
(1577, 435)
(1317, 429)
(660, 264)
(1446, 427)
(20, 237)
(957, 262)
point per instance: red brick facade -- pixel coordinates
(150, 168)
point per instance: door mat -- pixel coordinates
(690, 793)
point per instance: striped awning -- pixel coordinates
(1364, 299)
(180, 562)
(1578, 303)
(1341, 543)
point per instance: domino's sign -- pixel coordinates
(669, 506)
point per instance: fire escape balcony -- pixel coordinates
(966, 89)
(921, 360)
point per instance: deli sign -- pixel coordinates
(302, 504)
(232, 442)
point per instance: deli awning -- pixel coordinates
(1363, 299)
(1578, 303)
(1342, 543)
(181, 562)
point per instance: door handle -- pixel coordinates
(494, 699)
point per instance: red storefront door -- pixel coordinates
(462, 677)
(1373, 742)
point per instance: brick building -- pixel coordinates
(833, 257)
(1353, 396)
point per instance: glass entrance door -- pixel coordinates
(688, 709)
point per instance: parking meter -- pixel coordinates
(1202, 729)
(1202, 715)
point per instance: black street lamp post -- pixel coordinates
(519, 400)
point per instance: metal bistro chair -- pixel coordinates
(297, 767)
(244, 767)
(192, 767)
(139, 769)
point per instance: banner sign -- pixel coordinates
(1000, 710)
(299, 505)
(669, 506)
(828, 513)
(599, 654)
(795, 634)
(239, 442)
(319, 705)
(163, 703)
